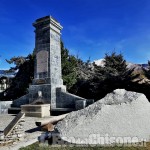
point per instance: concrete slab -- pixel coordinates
(42, 110)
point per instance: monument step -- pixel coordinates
(14, 110)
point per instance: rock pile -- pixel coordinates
(120, 117)
(17, 134)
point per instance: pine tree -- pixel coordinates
(104, 79)
(115, 65)
(147, 70)
(69, 67)
(25, 72)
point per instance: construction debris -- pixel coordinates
(119, 115)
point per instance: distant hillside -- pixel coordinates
(138, 69)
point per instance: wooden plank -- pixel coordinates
(48, 127)
(51, 120)
(13, 123)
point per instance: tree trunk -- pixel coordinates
(51, 120)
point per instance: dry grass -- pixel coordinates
(37, 146)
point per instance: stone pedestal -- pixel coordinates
(42, 110)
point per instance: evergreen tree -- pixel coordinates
(103, 79)
(147, 71)
(115, 65)
(69, 67)
(20, 83)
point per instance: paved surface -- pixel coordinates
(31, 131)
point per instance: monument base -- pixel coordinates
(46, 93)
(42, 110)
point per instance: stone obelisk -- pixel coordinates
(47, 73)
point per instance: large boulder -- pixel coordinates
(120, 117)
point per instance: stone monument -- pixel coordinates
(47, 74)
(47, 89)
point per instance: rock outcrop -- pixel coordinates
(120, 115)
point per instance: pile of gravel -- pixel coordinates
(120, 117)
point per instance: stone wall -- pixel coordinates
(68, 100)
(4, 105)
(65, 99)
(21, 101)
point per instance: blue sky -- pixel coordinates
(91, 27)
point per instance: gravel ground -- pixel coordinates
(32, 132)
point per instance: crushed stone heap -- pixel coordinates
(120, 116)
